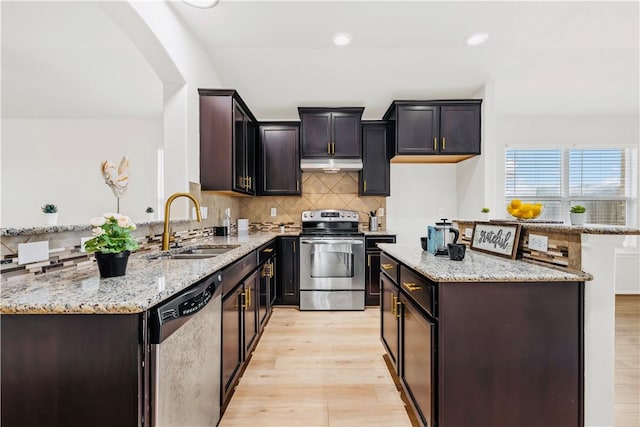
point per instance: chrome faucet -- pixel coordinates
(167, 208)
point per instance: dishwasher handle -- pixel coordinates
(167, 317)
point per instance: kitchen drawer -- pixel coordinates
(371, 242)
(237, 271)
(389, 266)
(419, 289)
(266, 251)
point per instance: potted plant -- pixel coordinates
(485, 213)
(50, 214)
(149, 212)
(112, 243)
(577, 214)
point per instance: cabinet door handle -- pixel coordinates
(333, 148)
(393, 304)
(328, 148)
(368, 260)
(294, 246)
(412, 286)
(386, 266)
(271, 269)
(365, 186)
(435, 144)
(297, 185)
(398, 307)
(248, 297)
(249, 183)
(244, 297)
(444, 143)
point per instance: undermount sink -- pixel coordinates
(201, 253)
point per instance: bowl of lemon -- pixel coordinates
(521, 210)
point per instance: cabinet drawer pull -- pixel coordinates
(268, 250)
(444, 143)
(435, 144)
(386, 266)
(412, 286)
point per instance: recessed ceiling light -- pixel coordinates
(202, 4)
(342, 39)
(477, 38)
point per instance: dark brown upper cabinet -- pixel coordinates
(442, 131)
(279, 159)
(330, 132)
(228, 132)
(374, 176)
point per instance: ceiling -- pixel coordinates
(542, 58)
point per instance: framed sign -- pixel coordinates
(496, 239)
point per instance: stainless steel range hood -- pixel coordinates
(330, 165)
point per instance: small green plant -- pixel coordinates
(485, 210)
(49, 208)
(149, 210)
(578, 209)
(112, 234)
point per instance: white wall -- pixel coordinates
(183, 66)
(421, 194)
(58, 161)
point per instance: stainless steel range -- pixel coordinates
(332, 261)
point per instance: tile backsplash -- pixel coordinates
(319, 191)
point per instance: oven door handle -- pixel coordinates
(332, 242)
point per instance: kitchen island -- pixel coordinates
(485, 341)
(77, 350)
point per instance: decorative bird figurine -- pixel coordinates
(117, 180)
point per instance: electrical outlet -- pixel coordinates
(538, 243)
(273, 212)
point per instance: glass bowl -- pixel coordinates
(525, 211)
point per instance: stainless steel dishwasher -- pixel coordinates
(185, 336)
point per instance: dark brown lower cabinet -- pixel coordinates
(372, 272)
(288, 263)
(231, 339)
(389, 325)
(250, 321)
(72, 370)
(418, 359)
(486, 354)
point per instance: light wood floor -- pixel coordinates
(627, 398)
(326, 369)
(317, 369)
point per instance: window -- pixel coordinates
(602, 180)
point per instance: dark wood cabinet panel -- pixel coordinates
(446, 128)
(288, 263)
(417, 129)
(231, 340)
(279, 160)
(72, 370)
(372, 272)
(227, 142)
(418, 360)
(389, 327)
(251, 302)
(520, 344)
(374, 178)
(460, 129)
(330, 132)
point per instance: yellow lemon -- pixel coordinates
(515, 203)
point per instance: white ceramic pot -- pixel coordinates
(51, 218)
(577, 218)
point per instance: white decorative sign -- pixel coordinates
(497, 239)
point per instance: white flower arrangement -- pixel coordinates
(112, 234)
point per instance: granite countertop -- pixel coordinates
(379, 233)
(476, 267)
(148, 281)
(563, 228)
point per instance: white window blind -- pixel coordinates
(602, 180)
